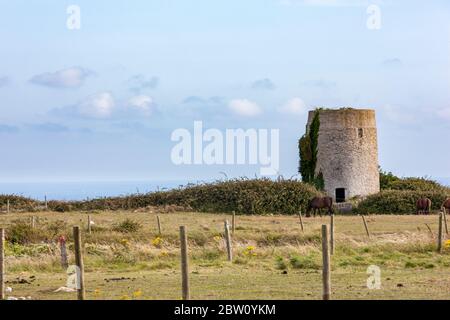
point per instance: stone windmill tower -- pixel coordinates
(339, 152)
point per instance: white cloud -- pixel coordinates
(141, 103)
(98, 105)
(244, 107)
(294, 106)
(72, 77)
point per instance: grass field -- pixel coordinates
(273, 258)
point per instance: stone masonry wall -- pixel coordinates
(348, 151)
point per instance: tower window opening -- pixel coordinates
(360, 132)
(340, 195)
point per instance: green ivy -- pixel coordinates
(307, 146)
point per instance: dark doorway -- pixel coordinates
(340, 195)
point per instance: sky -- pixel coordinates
(100, 102)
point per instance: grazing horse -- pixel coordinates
(446, 205)
(423, 206)
(318, 203)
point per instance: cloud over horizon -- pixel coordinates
(73, 77)
(140, 82)
(244, 107)
(263, 84)
(104, 105)
(294, 106)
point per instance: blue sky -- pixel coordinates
(100, 103)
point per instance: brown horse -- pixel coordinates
(423, 206)
(446, 205)
(318, 203)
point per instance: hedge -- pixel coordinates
(400, 201)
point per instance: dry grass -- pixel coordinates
(273, 257)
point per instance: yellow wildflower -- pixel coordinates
(157, 242)
(137, 294)
(447, 244)
(164, 253)
(124, 242)
(250, 251)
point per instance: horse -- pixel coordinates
(318, 203)
(446, 205)
(423, 206)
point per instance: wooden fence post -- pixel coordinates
(2, 264)
(184, 265)
(233, 222)
(159, 225)
(326, 278)
(33, 222)
(228, 241)
(444, 211)
(332, 234)
(62, 246)
(301, 219)
(440, 232)
(365, 226)
(79, 263)
(45, 202)
(7, 206)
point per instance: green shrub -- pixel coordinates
(245, 196)
(389, 181)
(21, 232)
(59, 206)
(386, 179)
(127, 226)
(56, 228)
(18, 202)
(280, 263)
(417, 184)
(307, 262)
(307, 146)
(399, 201)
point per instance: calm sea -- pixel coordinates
(84, 190)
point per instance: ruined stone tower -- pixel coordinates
(340, 151)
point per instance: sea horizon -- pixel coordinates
(82, 190)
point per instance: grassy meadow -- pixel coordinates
(125, 258)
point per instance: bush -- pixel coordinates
(307, 262)
(127, 226)
(417, 184)
(21, 232)
(18, 202)
(59, 206)
(246, 196)
(257, 196)
(389, 181)
(386, 179)
(400, 201)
